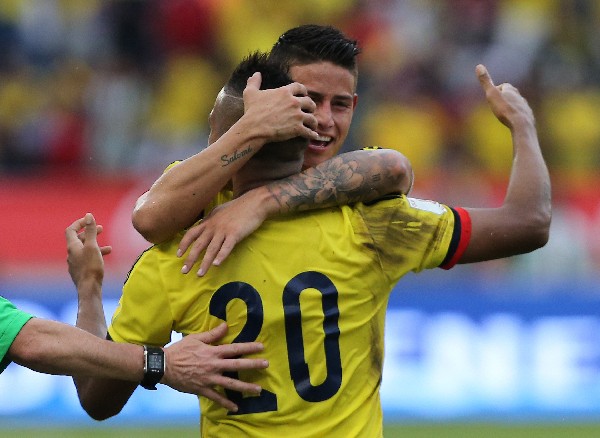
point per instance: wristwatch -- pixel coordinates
(154, 367)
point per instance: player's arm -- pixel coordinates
(177, 197)
(56, 348)
(100, 396)
(522, 223)
(358, 176)
(363, 175)
(193, 365)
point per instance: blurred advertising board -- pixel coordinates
(456, 348)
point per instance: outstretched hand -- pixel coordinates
(84, 255)
(195, 366)
(286, 111)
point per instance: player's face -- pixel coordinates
(332, 88)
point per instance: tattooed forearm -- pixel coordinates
(363, 175)
(226, 160)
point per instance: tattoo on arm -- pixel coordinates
(226, 160)
(342, 180)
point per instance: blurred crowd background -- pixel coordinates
(120, 89)
(97, 97)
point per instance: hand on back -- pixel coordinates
(197, 367)
(218, 233)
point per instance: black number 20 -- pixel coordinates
(267, 401)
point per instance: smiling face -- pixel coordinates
(333, 89)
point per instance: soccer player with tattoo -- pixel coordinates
(313, 286)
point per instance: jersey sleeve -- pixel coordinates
(461, 236)
(411, 234)
(12, 321)
(170, 166)
(143, 314)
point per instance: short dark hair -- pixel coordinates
(273, 74)
(312, 43)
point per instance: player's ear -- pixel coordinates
(355, 101)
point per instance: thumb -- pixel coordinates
(215, 334)
(484, 77)
(254, 81)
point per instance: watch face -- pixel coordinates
(155, 362)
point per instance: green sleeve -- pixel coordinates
(12, 321)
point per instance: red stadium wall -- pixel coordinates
(36, 211)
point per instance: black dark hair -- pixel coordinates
(311, 43)
(273, 74)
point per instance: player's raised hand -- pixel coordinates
(506, 102)
(195, 366)
(285, 112)
(84, 255)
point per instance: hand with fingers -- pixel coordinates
(193, 365)
(84, 255)
(196, 367)
(521, 223)
(286, 111)
(506, 102)
(218, 233)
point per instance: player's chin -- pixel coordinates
(314, 157)
(317, 153)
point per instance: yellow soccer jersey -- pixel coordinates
(313, 288)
